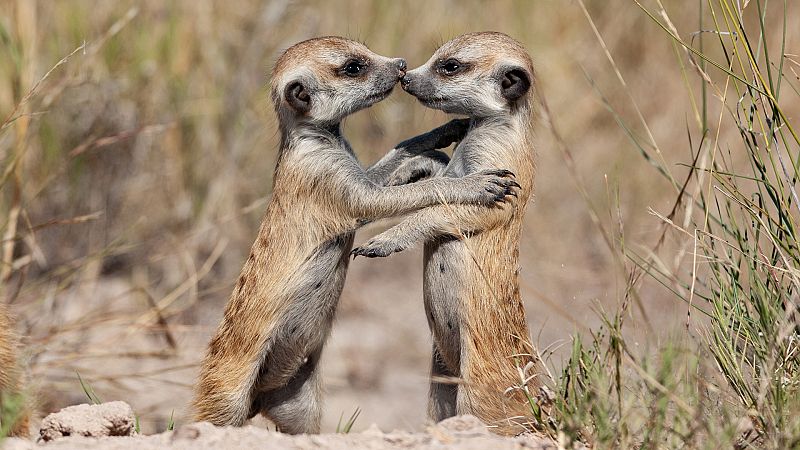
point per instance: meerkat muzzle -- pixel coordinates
(401, 65)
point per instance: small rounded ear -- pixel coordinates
(515, 83)
(297, 97)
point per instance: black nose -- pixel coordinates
(401, 65)
(405, 81)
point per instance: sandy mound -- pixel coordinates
(107, 419)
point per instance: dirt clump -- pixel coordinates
(106, 419)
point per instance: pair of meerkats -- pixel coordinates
(265, 354)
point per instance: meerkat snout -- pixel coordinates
(401, 67)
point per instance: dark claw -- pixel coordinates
(501, 173)
(505, 183)
(368, 253)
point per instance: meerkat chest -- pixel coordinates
(465, 161)
(444, 271)
(475, 153)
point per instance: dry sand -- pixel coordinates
(463, 433)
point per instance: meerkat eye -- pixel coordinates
(450, 67)
(353, 68)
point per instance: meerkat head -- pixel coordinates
(475, 74)
(322, 80)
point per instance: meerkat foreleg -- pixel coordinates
(430, 223)
(419, 149)
(365, 200)
(426, 165)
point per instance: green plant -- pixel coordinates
(87, 389)
(347, 426)
(12, 408)
(737, 211)
(745, 230)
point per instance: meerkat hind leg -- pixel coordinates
(295, 408)
(442, 395)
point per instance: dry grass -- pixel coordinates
(136, 168)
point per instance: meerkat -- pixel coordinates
(471, 268)
(13, 411)
(264, 355)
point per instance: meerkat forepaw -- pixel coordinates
(376, 249)
(498, 188)
(509, 189)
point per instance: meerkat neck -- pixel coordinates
(306, 129)
(300, 130)
(518, 121)
(488, 123)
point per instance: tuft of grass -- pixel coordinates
(12, 409)
(171, 423)
(732, 377)
(745, 271)
(89, 391)
(347, 426)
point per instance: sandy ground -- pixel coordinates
(462, 433)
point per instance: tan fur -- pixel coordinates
(10, 376)
(264, 356)
(471, 283)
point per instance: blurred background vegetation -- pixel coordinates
(138, 146)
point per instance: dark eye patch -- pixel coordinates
(451, 66)
(353, 68)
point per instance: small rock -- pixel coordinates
(373, 431)
(465, 424)
(107, 419)
(189, 432)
